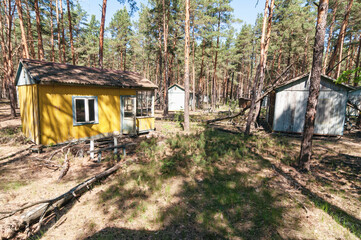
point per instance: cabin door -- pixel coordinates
(127, 114)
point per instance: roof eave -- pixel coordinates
(94, 85)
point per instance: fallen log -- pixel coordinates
(228, 117)
(266, 92)
(65, 166)
(57, 151)
(16, 153)
(44, 207)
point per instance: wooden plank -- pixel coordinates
(112, 147)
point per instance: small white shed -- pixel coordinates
(291, 101)
(176, 95)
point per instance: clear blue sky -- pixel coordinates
(246, 10)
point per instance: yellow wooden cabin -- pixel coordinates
(61, 103)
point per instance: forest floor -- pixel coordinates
(213, 183)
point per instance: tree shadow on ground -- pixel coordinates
(339, 215)
(331, 172)
(223, 192)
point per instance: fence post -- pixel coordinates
(91, 149)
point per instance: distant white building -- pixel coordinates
(176, 95)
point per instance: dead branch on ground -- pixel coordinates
(44, 207)
(57, 151)
(65, 166)
(16, 153)
(266, 92)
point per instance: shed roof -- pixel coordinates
(176, 85)
(323, 76)
(42, 72)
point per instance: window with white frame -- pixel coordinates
(145, 103)
(85, 110)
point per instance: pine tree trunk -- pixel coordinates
(231, 95)
(29, 31)
(193, 72)
(341, 37)
(330, 36)
(165, 39)
(62, 31)
(304, 64)
(121, 60)
(59, 29)
(315, 80)
(239, 93)
(101, 34)
(225, 76)
(186, 69)
(349, 55)
(227, 91)
(215, 64)
(201, 74)
(160, 64)
(7, 47)
(71, 33)
(279, 59)
(259, 78)
(358, 58)
(52, 31)
(125, 58)
(38, 27)
(338, 69)
(23, 34)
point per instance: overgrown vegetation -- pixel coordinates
(223, 188)
(217, 196)
(11, 135)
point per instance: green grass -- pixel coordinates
(224, 192)
(12, 134)
(12, 185)
(10, 131)
(213, 206)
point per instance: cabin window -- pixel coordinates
(145, 106)
(85, 110)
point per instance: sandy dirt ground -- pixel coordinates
(127, 205)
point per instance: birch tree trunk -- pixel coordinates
(186, 69)
(315, 80)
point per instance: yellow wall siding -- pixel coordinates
(28, 100)
(57, 115)
(145, 124)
